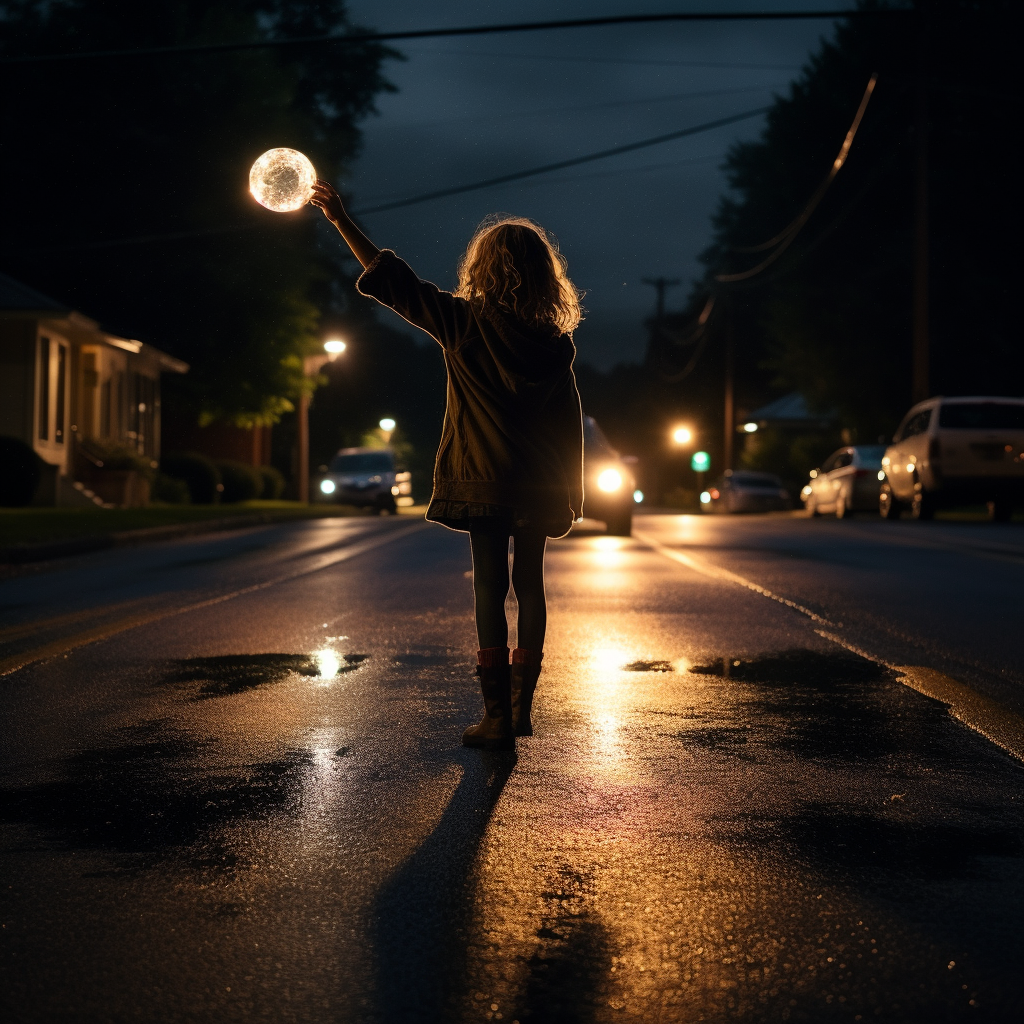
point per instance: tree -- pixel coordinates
(125, 179)
(831, 318)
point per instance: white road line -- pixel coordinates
(998, 724)
(724, 574)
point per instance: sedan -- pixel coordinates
(847, 482)
(741, 490)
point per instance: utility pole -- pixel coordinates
(921, 385)
(661, 284)
(730, 364)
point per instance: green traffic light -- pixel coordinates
(700, 462)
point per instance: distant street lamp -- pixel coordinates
(311, 366)
(750, 428)
(682, 435)
(387, 428)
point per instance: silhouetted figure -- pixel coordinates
(510, 462)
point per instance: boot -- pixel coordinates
(525, 672)
(495, 729)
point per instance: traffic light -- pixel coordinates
(700, 462)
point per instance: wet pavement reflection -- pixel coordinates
(264, 814)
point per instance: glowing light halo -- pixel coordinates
(282, 180)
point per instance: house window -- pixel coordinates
(44, 389)
(62, 366)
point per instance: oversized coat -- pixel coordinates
(513, 426)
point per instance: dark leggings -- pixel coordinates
(490, 585)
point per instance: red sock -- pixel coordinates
(522, 656)
(491, 657)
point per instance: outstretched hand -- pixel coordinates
(326, 198)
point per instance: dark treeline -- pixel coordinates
(126, 181)
(832, 317)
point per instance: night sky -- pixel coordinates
(469, 109)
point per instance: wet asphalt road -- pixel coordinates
(243, 799)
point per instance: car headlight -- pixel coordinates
(327, 486)
(610, 480)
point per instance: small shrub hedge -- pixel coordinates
(273, 483)
(200, 475)
(241, 482)
(20, 471)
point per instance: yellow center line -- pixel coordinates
(16, 632)
(57, 647)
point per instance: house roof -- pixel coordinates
(18, 298)
(791, 408)
(15, 296)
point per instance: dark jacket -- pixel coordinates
(513, 428)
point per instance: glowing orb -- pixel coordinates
(282, 180)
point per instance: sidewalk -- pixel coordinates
(37, 534)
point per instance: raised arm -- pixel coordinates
(327, 199)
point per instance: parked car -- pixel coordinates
(742, 490)
(608, 482)
(364, 477)
(847, 482)
(951, 451)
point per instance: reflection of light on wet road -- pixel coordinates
(328, 665)
(609, 553)
(606, 688)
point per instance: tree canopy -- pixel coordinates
(832, 317)
(125, 179)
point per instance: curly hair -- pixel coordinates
(514, 264)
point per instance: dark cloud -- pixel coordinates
(479, 107)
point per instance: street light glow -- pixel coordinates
(610, 480)
(334, 347)
(327, 486)
(387, 423)
(682, 435)
(750, 428)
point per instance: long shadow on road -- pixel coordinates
(422, 920)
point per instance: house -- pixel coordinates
(63, 379)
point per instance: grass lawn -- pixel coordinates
(29, 525)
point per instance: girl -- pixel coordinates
(510, 462)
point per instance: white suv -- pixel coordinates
(951, 451)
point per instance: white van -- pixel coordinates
(950, 451)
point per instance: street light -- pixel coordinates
(750, 428)
(311, 366)
(682, 435)
(387, 428)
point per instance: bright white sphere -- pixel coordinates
(610, 480)
(327, 486)
(282, 180)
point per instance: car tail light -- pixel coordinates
(934, 450)
(714, 493)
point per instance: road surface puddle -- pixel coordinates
(229, 674)
(155, 798)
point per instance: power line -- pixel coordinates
(602, 154)
(470, 30)
(784, 239)
(573, 59)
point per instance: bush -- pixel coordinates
(170, 490)
(20, 470)
(116, 456)
(273, 483)
(241, 482)
(200, 475)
